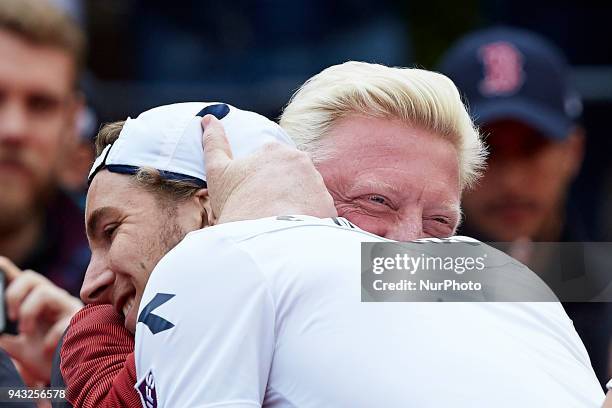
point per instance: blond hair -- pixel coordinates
(41, 23)
(417, 97)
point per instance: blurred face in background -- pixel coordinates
(523, 190)
(397, 181)
(37, 110)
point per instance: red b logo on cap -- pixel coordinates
(503, 69)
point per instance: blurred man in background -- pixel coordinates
(73, 177)
(518, 88)
(41, 53)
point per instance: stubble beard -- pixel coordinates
(21, 205)
(170, 235)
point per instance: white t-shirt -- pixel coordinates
(269, 313)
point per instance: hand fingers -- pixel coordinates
(27, 376)
(17, 291)
(54, 335)
(32, 365)
(13, 345)
(10, 270)
(45, 302)
(217, 150)
(37, 301)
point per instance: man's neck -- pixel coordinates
(19, 243)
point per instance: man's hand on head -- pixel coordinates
(275, 180)
(42, 311)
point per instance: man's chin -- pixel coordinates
(16, 209)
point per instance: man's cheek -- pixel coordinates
(438, 230)
(42, 160)
(373, 224)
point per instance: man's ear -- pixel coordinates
(75, 108)
(77, 154)
(208, 218)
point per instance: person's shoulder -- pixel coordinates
(452, 239)
(282, 226)
(260, 244)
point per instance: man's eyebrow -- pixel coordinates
(376, 185)
(94, 219)
(453, 207)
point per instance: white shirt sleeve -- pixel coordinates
(219, 349)
(609, 385)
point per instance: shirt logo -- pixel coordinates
(503, 69)
(342, 222)
(288, 218)
(155, 323)
(147, 392)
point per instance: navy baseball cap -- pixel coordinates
(507, 73)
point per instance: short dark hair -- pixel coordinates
(41, 23)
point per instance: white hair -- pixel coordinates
(417, 97)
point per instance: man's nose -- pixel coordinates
(98, 283)
(13, 123)
(407, 228)
(511, 175)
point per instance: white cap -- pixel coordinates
(169, 138)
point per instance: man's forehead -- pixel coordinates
(403, 174)
(25, 63)
(109, 189)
